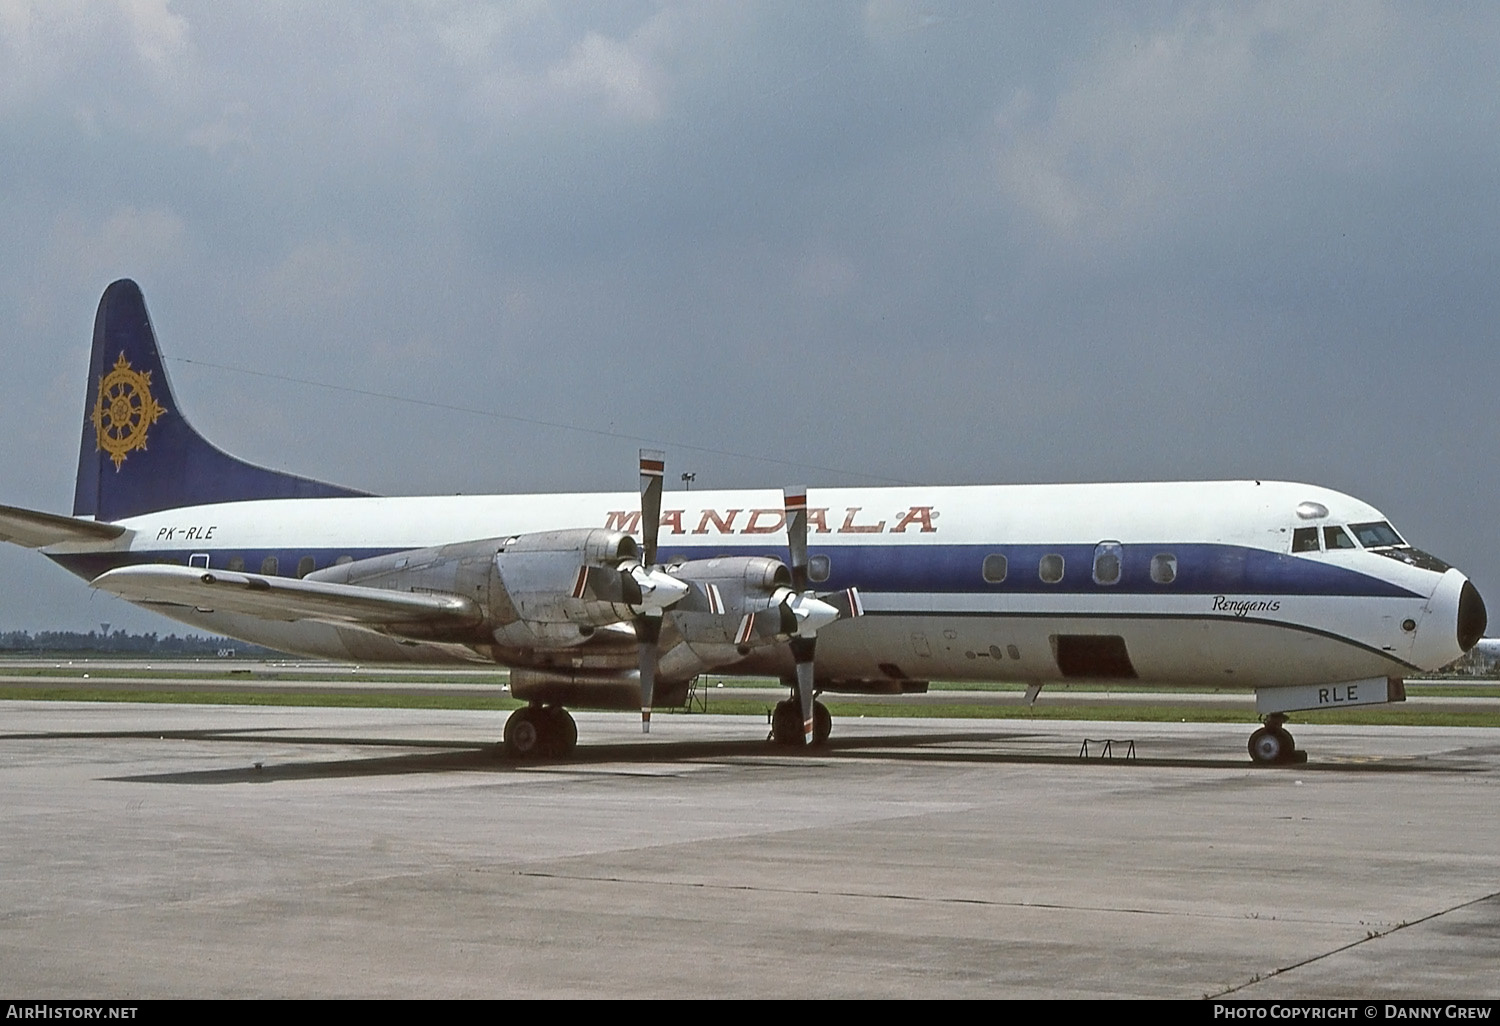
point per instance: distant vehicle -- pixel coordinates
(618, 600)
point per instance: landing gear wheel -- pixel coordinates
(786, 724)
(1272, 746)
(525, 733)
(561, 733)
(1293, 753)
(822, 723)
(540, 732)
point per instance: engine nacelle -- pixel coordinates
(546, 590)
(538, 597)
(596, 690)
(737, 604)
(725, 591)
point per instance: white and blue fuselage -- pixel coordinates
(1199, 580)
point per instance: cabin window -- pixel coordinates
(1050, 569)
(1163, 568)
(1015, 653)
(199, 559)
(994, 568)
(1376, 535)
(1107, 556)
(1305, 539)
(1337, 538)
(236, 563)
(305, 566)
(269, 566)
(996, 654)
(818, 568)
(342, 560)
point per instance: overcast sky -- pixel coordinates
(927, 242)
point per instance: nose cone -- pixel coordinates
(1472, 618)
(1453, 621)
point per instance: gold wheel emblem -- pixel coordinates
(124, 410)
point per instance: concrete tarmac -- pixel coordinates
(709, 700)
(158, 851)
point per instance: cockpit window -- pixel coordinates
(1376, 534)
(1337, 538)
(1305, 539)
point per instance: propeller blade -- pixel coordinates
(802, 651)
(657, 590)
(648, 633)
(599, 584)
(777, 622)
(808, 613)
(653, 466)
(847, 602)
(795, 501)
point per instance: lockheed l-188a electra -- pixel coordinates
(1308, 596)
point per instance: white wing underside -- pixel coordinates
(289, 599)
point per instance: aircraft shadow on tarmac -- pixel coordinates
(436, 756)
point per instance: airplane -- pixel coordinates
(1488, 647)
(619, 600)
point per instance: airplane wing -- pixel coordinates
(290, 599)
(34, 530)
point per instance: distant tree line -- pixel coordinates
(125, 643)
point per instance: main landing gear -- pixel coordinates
(786, 723)
(540, 732)
(1272, 745)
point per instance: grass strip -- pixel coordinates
(725, 706)
(319, 701)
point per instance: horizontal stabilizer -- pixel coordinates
(34, 530)
(290, 599)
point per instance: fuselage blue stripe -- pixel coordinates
(1202, 569)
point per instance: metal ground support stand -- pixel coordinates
(1107, 751)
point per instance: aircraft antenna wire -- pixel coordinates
(534, 422)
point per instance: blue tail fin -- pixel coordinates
(139, 453)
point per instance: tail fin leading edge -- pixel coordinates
(139, 454)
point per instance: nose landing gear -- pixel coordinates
(1272, 745)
